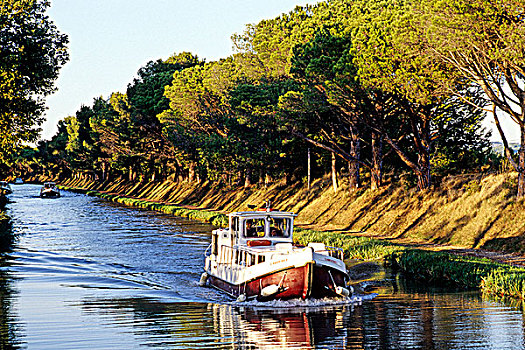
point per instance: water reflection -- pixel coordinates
(396, 321)
(10, 332)
(10, 329)
(224, 326)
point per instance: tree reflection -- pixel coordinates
(10, 335)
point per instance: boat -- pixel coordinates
(19, 181)
(256, 258)
(49, 190)
(5, 189)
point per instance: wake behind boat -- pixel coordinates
(255, 258)
(49, 190)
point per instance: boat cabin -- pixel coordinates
(49, 185)
(276, 226)
(255, 229)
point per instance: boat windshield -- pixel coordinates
(268, 226)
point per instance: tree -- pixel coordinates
(324, 65)
(461, 142)
(484, 42)
(261, 144)
(32, 51)
(52, 153)
(82, 140)
(389, 56)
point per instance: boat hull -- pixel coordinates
(308, 281)
(49, 194)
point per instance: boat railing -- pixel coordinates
(207, 252)
(335, 252)
(238, 257)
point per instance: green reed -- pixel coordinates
(505, 282)
(354, 247)
(446, 268)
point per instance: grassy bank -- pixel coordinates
(426, 266)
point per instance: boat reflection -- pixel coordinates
(285, 328)
(189, 325)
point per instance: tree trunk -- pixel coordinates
(309, 169)
(376, 173)
(334, 173)
(354, 177)
(421, 168)
(131, 175)
(267, 180)
(521, 166)
(423, 157)
(191, 172)
(248, 178)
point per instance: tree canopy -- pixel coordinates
(364, 84)
(32, 51)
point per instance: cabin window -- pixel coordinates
(260, 259)
(253, 228)
(244, 258)
(280, 227)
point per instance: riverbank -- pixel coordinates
(479, 203)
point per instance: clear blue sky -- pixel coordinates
(111, 39)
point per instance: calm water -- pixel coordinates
(88, 274)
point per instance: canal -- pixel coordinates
(83, 273)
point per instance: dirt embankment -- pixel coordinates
(467, 211)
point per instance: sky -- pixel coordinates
(109, 40)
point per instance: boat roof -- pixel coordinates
(261, 213)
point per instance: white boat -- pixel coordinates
(255, 258)
(49, 190)
(19, 181)
(5, 189)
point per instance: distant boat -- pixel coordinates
(255, 258)
(49, 190)
(5, 189)
(19, 181)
